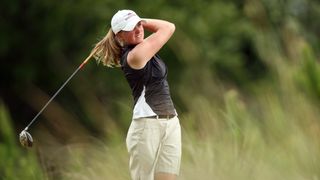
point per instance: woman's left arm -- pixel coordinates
(144, 51)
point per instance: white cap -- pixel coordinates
(124, 20)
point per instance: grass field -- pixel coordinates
(269, 131)
(275, 137)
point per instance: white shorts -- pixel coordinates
(154, 146)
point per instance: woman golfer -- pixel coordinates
(154, 136)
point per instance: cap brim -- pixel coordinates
(132, 23)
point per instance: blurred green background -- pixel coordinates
(244, 76)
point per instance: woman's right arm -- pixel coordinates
(144, 51)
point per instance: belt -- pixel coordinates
(162, 116)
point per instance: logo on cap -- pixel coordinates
(129, 15)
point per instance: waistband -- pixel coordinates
(162, 116)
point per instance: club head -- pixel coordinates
(25, 139)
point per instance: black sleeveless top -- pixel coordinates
(150, 82)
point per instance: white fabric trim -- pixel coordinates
(142, 108)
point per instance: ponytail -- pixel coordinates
(107, 51)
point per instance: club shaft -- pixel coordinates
(55, 94)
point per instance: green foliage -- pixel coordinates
(15, 162)
(244, 76)
(309, 76)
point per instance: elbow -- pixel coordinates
(171, 27)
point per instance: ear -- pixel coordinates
(119, 38)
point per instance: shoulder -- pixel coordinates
(125, 64)
(124, 54)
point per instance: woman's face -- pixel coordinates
(133, 37)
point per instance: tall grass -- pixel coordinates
(275, 143)
(275, 139)
(270, 133)
(271, 137)
(15, 163)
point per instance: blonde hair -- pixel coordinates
(107, 51)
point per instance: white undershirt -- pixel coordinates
(142, 108)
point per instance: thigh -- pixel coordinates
(149, 143)
(143, 142)
(170, 155)
(134, 133)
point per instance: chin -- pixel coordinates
(139, 41)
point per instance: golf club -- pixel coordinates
(25, 137)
